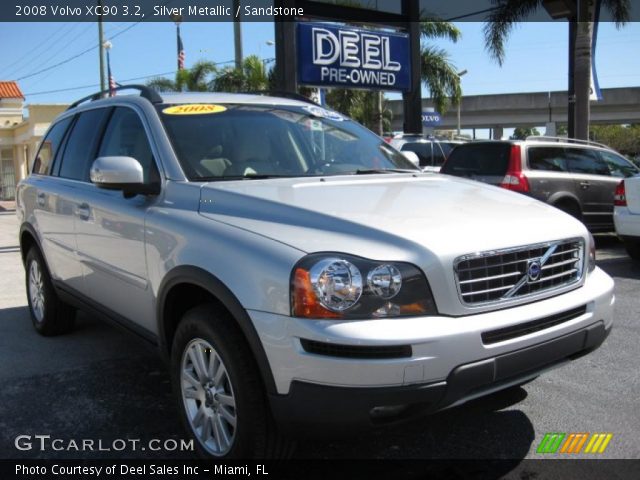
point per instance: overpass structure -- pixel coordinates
(619, 105)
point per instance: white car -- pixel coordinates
(626, 214)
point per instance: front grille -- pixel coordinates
(356, 351)
(503, 275)
(515, 331)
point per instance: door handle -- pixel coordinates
(584, 185)
(41, 198)
(83, 211)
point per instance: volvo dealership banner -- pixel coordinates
(353, 58)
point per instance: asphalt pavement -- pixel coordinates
(99, 383)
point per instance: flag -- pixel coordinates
(180, 51)
(112, 81)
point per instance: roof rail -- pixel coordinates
(145, 92)
(566, 139)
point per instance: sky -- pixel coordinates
(536, 55)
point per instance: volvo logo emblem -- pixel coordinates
(534, 270)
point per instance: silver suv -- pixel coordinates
(578, 177)
(278, 254)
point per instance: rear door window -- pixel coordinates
(80, 150)
(482, 161)
(549, 159)
(583, 160)
(49, 147)
(618, 166)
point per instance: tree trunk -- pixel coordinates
(582, 73)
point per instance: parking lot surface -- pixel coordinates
(101, 384)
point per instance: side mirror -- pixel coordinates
(121, 173)
(412, 157)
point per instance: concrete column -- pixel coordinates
(497, 133)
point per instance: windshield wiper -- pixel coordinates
(370, 171)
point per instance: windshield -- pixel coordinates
(249, 141)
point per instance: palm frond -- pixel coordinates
(162, 84)
(440, 77)
(620, 10)
(439, 29)
(500, 22)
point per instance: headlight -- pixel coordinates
(348, 287)
(591, 261)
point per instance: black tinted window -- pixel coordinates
(479, 159)
(49, 147)
(618, 166)
(440, 153)
(421, 149)
(551, 159)
(125, 136)
(582, 160)
(80, 150)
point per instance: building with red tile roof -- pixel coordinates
(20, 135)
(10, 90)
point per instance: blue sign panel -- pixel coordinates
(431, 119)
(353, 58)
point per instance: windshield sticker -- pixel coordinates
(194, 109)
(323, 113)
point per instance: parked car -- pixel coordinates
(578, 177)
(431, 152)
(273, 251)
(626, 214)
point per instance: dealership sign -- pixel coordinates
(353, 58)
(431, 119)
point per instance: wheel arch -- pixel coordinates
(204, 286)
(29, 238)
(559, 198)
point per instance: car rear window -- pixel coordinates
(421, 149)
(478, 160)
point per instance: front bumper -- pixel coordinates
(314, 407)
(449, 362)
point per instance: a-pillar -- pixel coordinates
(497, 133)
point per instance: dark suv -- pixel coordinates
(578, 177)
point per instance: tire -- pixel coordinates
(50, 316)
(633, 248)
(224, 409)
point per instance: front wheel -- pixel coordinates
(220, 395)
(49, 315)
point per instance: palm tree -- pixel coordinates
(438, 74)
(508, 12)
(252, 77)
(194, 79)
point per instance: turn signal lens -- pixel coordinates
(591, 265)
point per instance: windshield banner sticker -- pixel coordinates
(194, 109)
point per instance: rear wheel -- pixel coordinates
(633, 248)
(220, 395)
(49, 315)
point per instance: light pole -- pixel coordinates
(268, 43)
(460, 74)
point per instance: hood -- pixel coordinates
(386, 216)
